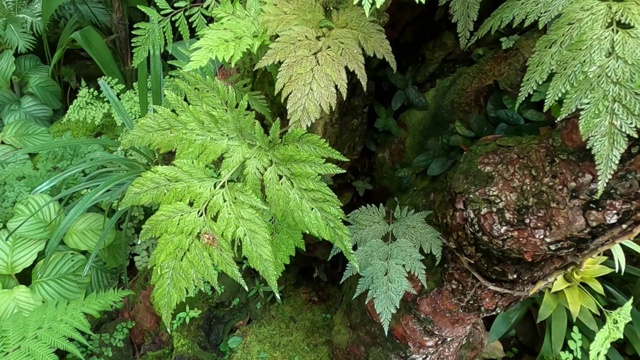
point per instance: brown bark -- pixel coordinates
(517, 212)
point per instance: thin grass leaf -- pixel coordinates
(116, 103)
(156, 78)
(108, 226)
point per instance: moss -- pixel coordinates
(296, 329)
(83, 129)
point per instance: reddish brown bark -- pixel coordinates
(517, 211)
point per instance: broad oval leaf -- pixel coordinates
(533, 115)
(24, 63)
(415, 97)
(7, 67)
(548, 306)
(59, 277)
(7, 282)
(17, 253)
(46, 90)
(480, 126)
(85, 232)
(462, 130)
(24, 133)
(439, 165)
(510, 117)
(398, 99)
(19, 299)
(36, 217)
(9, 156)
(27, 108)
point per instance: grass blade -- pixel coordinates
(95, 44)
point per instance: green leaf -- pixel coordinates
(36, 217)
(398, 99)
(548, 306)
(415, 97)
(439, 166)
(510, 117)
(9, 155)
(422, 161)
(59, 277)
(7, 282)
(85, 232)
(506, 320)
(94, 43)
(572, 294)
(20, 299)
(611, 331)
(46, 90)
(24, 133)
(462, 130)
(533, 115)
(7, 67)
(558, 322)
(480, 126)
(16, 254)
(48, 8)
(27, 107)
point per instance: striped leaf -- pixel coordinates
(35, 218)
(19, 299)
(24, 133)
(27, 107)
(17, 253)
(7, 67)
(85, 232)
(59, 276)
(8, 155)
(7, 282)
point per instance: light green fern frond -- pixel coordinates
(235, 32)
(411, 225)
(315, 52)
(376, 4)
(232, 191)
(612, 330)
(591, 52)
(53, 326)
(388, 250)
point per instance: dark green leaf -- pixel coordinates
(422, 161)
(533, 115)
(415, 97)
(494, 104)
(397, 79)
(558, 321)
(398, 99)
(462, 130)
(510, 117)
(480, 126)
(439, 166)
(506, 320)
(94, 43)
(509, 102)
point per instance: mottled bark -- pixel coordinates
(518, 211)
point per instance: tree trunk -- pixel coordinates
(518, 210)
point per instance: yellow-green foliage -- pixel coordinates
(315, 50)
(294, 329)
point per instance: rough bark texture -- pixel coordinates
(517, 212)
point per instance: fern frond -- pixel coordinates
(235, 32)
(388, 250)
(465, 14)
(314, 56)
(51, 326)
(232, 187)
(190, 252)
(591, 54)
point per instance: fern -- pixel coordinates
(385, 266)
(157, 33)
(464, 13)
(611, 331)
(261, 194)
(315, 53)
(591, 54)
(20, 21)
(236, 31)
(52, 326)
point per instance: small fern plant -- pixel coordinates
(232, 191)
(389, 245)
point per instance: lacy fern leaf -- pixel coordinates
(53, 326)
(235, 32)
(315, 53)
(591, 54)
(232, 190)
(385, 264)
(465, 14)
